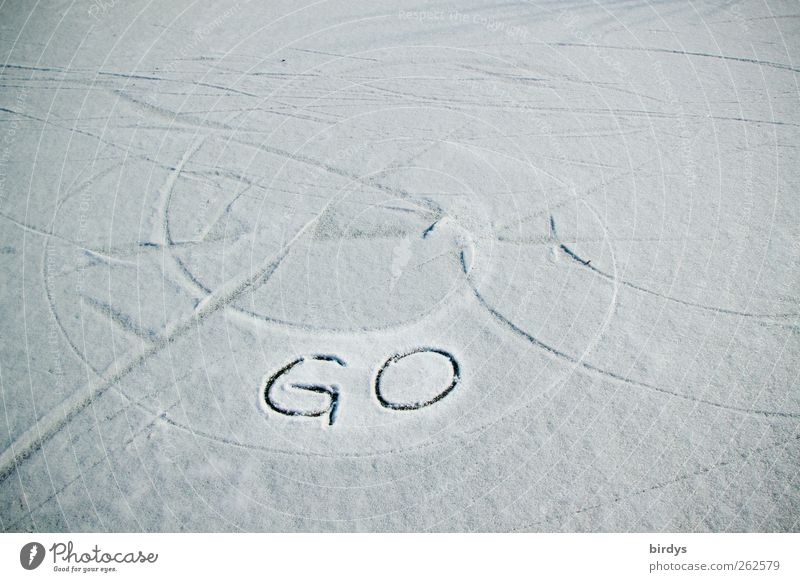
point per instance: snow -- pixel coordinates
(544, 257)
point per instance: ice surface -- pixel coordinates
(544, 257)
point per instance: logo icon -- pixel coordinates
(31, 555)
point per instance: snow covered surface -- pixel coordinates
(536, 265)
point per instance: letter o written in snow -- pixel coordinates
(394, 402)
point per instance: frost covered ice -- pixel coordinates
(371, 266)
